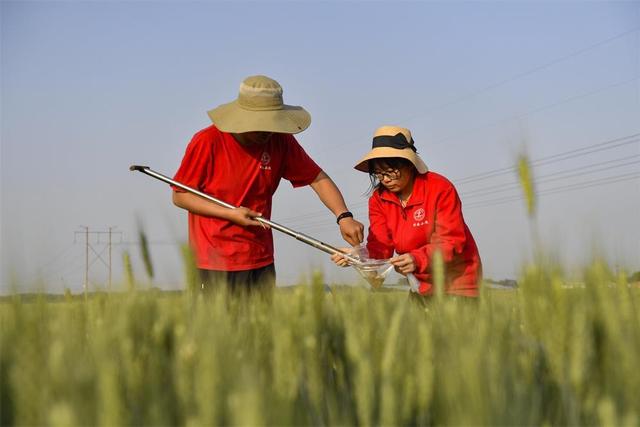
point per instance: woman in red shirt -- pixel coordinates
(415, 213)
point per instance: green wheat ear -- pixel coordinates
(525, 174)
(128, 270)
(438, 273)
(144, 249)
(190, 268)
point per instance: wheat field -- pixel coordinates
(545, 353)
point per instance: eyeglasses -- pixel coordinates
(389, 174)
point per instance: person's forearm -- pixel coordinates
(240, 216)
(352, 231)
(329, 194)
(199, 206)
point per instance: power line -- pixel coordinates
(524, 74)
(561, 189)
(330, 221)
(551, 177)
(618, 179)
(318, 213)
(430, 110)
(493, 202)
(534, 111)
(55, 258)
(592, 183)
(324, 213)
(150, 242)
(606, 162)
(496, 188)
(577, 152)
(546, 160)
(539, 109)
(63, 268)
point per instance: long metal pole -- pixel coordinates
(299, 236)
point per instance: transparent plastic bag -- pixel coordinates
(414, 283)
(374, 271)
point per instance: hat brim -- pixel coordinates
(233, 118)
(386, 152)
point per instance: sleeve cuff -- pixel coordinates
(421, 260)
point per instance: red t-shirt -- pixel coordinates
(218, 165)
(431, 220)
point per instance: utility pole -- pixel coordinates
(110, 232)
(98, 255)
(86, 260)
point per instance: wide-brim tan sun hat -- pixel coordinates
(260, 108)
(392, 141)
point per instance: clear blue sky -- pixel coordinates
(89, 88)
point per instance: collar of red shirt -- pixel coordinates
(417, 195)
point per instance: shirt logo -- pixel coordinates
(418, 216)
(265, 160)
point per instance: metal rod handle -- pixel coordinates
(299, 236)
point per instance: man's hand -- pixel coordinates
(352, 231)
(404, 264)
(244, 217)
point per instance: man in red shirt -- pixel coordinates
(240, 159)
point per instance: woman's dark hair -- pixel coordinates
(386, 163)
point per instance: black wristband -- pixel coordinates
(346, 214)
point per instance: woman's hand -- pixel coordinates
(404, 264)
(339, 260)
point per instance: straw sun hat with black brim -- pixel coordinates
(260, 108)
(390, 142)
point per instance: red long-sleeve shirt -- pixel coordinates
(431, 220)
